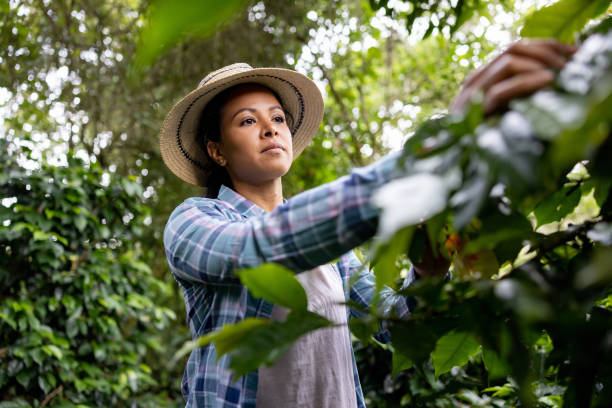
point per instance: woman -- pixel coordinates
(236, 135)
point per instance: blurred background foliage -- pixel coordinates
(84, 87)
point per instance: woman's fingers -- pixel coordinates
(520, 85)
(523, 68)
(505, 67)
(550, 53)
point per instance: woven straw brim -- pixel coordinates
(179, 147)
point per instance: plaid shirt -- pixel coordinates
(206, 240)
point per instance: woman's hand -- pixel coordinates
(523, 68)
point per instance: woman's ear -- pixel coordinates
(215, 153)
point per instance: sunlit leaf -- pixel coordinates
(558, 205)
(276, 284)
(563, 19)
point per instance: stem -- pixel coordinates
(52, 395)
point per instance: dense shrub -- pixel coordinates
(78, 312)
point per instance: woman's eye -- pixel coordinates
(279, 119)
(248, 121)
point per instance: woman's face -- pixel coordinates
(256, 144)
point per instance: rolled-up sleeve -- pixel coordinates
(203, 244)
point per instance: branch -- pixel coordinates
(345, 113)
(52, 395)
(562, 237)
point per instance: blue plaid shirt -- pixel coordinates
(206, 240)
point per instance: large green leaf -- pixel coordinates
(169, 21)
(267, 343)
(254, 342)
(563, 19)
(453, 349)
(227, 337)
(275, 284)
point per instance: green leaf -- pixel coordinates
(495, 365)
(558, 205)
(169, 21)
(24, 377)
(226, 334)
(275, 284)
(400, 363)
(254, 342)
(80, 222)
(501, 391)
(416, 340)
(364, 328)
(40, 236)
(9, 320)
(453, 349)
(267, 343)
(53, 351)
(563, 19)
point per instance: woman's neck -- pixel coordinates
(267, 195)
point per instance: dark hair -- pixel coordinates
(209, 130)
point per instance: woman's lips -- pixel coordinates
(274, 148)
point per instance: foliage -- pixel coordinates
(499, 174)
(378, 87)
(78, 310)
(438, 15)
(539, 330)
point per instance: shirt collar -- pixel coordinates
(241, 204)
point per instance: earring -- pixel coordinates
(221, 162)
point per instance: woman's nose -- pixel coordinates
(269, 129)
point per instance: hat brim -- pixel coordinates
(178, 142)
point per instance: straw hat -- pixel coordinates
(178, 142)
